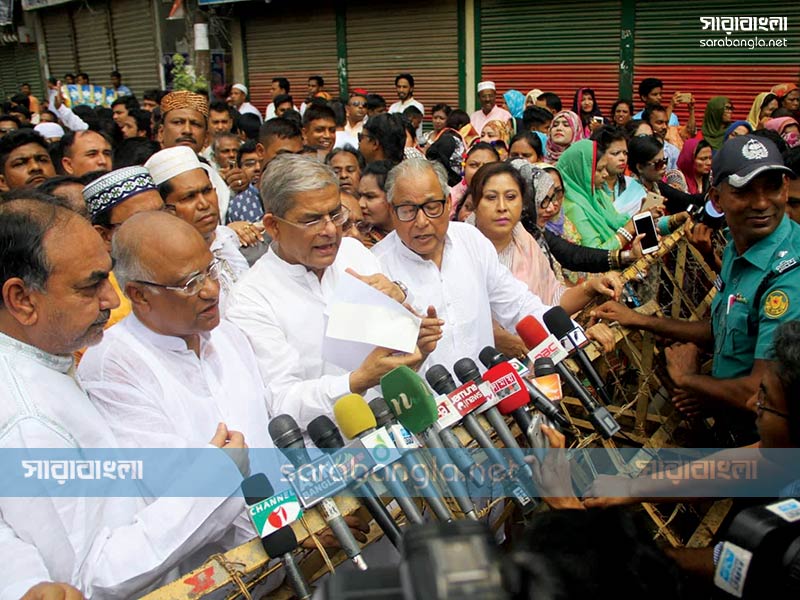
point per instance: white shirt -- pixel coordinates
(246, 107)
(471, 288)
(280, 308)
(345, 139)
(399, 107)
(226, 247)
(222, 189)
(107, 547)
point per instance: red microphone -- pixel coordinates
(540, 342)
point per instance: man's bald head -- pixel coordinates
(146, 240)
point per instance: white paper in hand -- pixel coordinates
(361, 318)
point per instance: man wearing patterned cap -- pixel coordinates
(489, 111)
(113, 198)
(238, 99)
(185, 123)
(186, 189)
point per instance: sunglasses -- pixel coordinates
(657, 164)
(358, 103)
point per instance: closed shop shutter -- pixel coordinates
(93, 40)
(19, 63)
(135, 44)
(553, 46)
(59, 41)
(668, 46)
(420, 38)
(292, 41)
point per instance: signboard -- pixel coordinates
(35, 4)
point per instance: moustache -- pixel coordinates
(187, 138)
(105, 315)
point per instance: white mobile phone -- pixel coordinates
(598, 119)
(644, 224)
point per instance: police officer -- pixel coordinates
(758, 290)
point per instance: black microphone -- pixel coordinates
(573, 338)
(325, 434)
(490, 357)
(286, 435)
(280, 543)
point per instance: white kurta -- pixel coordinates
(226, 247)
(399, 107)
(471, 287)
(280, 308)
(107, 547)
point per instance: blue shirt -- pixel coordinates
(246, 206)
(123, 90)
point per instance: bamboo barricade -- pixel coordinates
(676, 282)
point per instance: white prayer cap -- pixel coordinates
(49, 130)
(240, 87)
(169, 163)
(486, 85)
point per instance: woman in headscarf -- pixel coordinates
(501, 192)
(565, 129)
(694, 162)
(497, 133)
(585, 104)
(585, 203)
(718, 115)
(787, 128)
(788, 96)
(760, 112)
(515, 103)
(532, 96)
(736, 129)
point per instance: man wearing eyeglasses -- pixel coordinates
(448, 265)
(188, 192)
(281, 303)
(356, 110)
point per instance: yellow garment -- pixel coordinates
(755, 110)
(119, 313)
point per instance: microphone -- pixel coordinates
(490, 357)
(325, 434)
(414, 407)
(357, 422)
(464, 399)
(286, 435)
(573, 339)
(280, 543)
(513, 398)
(405, 441)
(536, 336)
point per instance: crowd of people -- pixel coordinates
(168, 263)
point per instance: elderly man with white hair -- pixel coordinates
(188, 192)
(281, 303)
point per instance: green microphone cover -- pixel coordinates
(409, 399)
(353, 415)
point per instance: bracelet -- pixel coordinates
(403, 289)
(624, 233)
(614, 259)
(626, 257)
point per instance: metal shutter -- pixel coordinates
(554, 46)
(289, 41)
(420, 38)
(19, 63)
(667, 46)
(59, 41)
(8, 75)
(93, 41)
(135, 44)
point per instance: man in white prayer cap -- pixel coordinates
(238, 99)
(188, 192)
(489, 111)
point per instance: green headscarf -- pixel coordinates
(713, 129)
(590, 210)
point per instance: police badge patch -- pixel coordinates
(776, 304)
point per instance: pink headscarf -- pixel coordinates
(554, 150)
(778, 125)
(686, 164)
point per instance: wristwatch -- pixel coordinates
(403, 289)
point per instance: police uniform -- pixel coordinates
(760, 290)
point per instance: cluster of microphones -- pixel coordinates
(412, 429)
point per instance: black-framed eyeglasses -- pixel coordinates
(728, 107)
(555, 196)
(195, 283)
(338, 217)
(363, 226)
(657, 164)
(431, 208)
(365, 135)
(761, 407)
